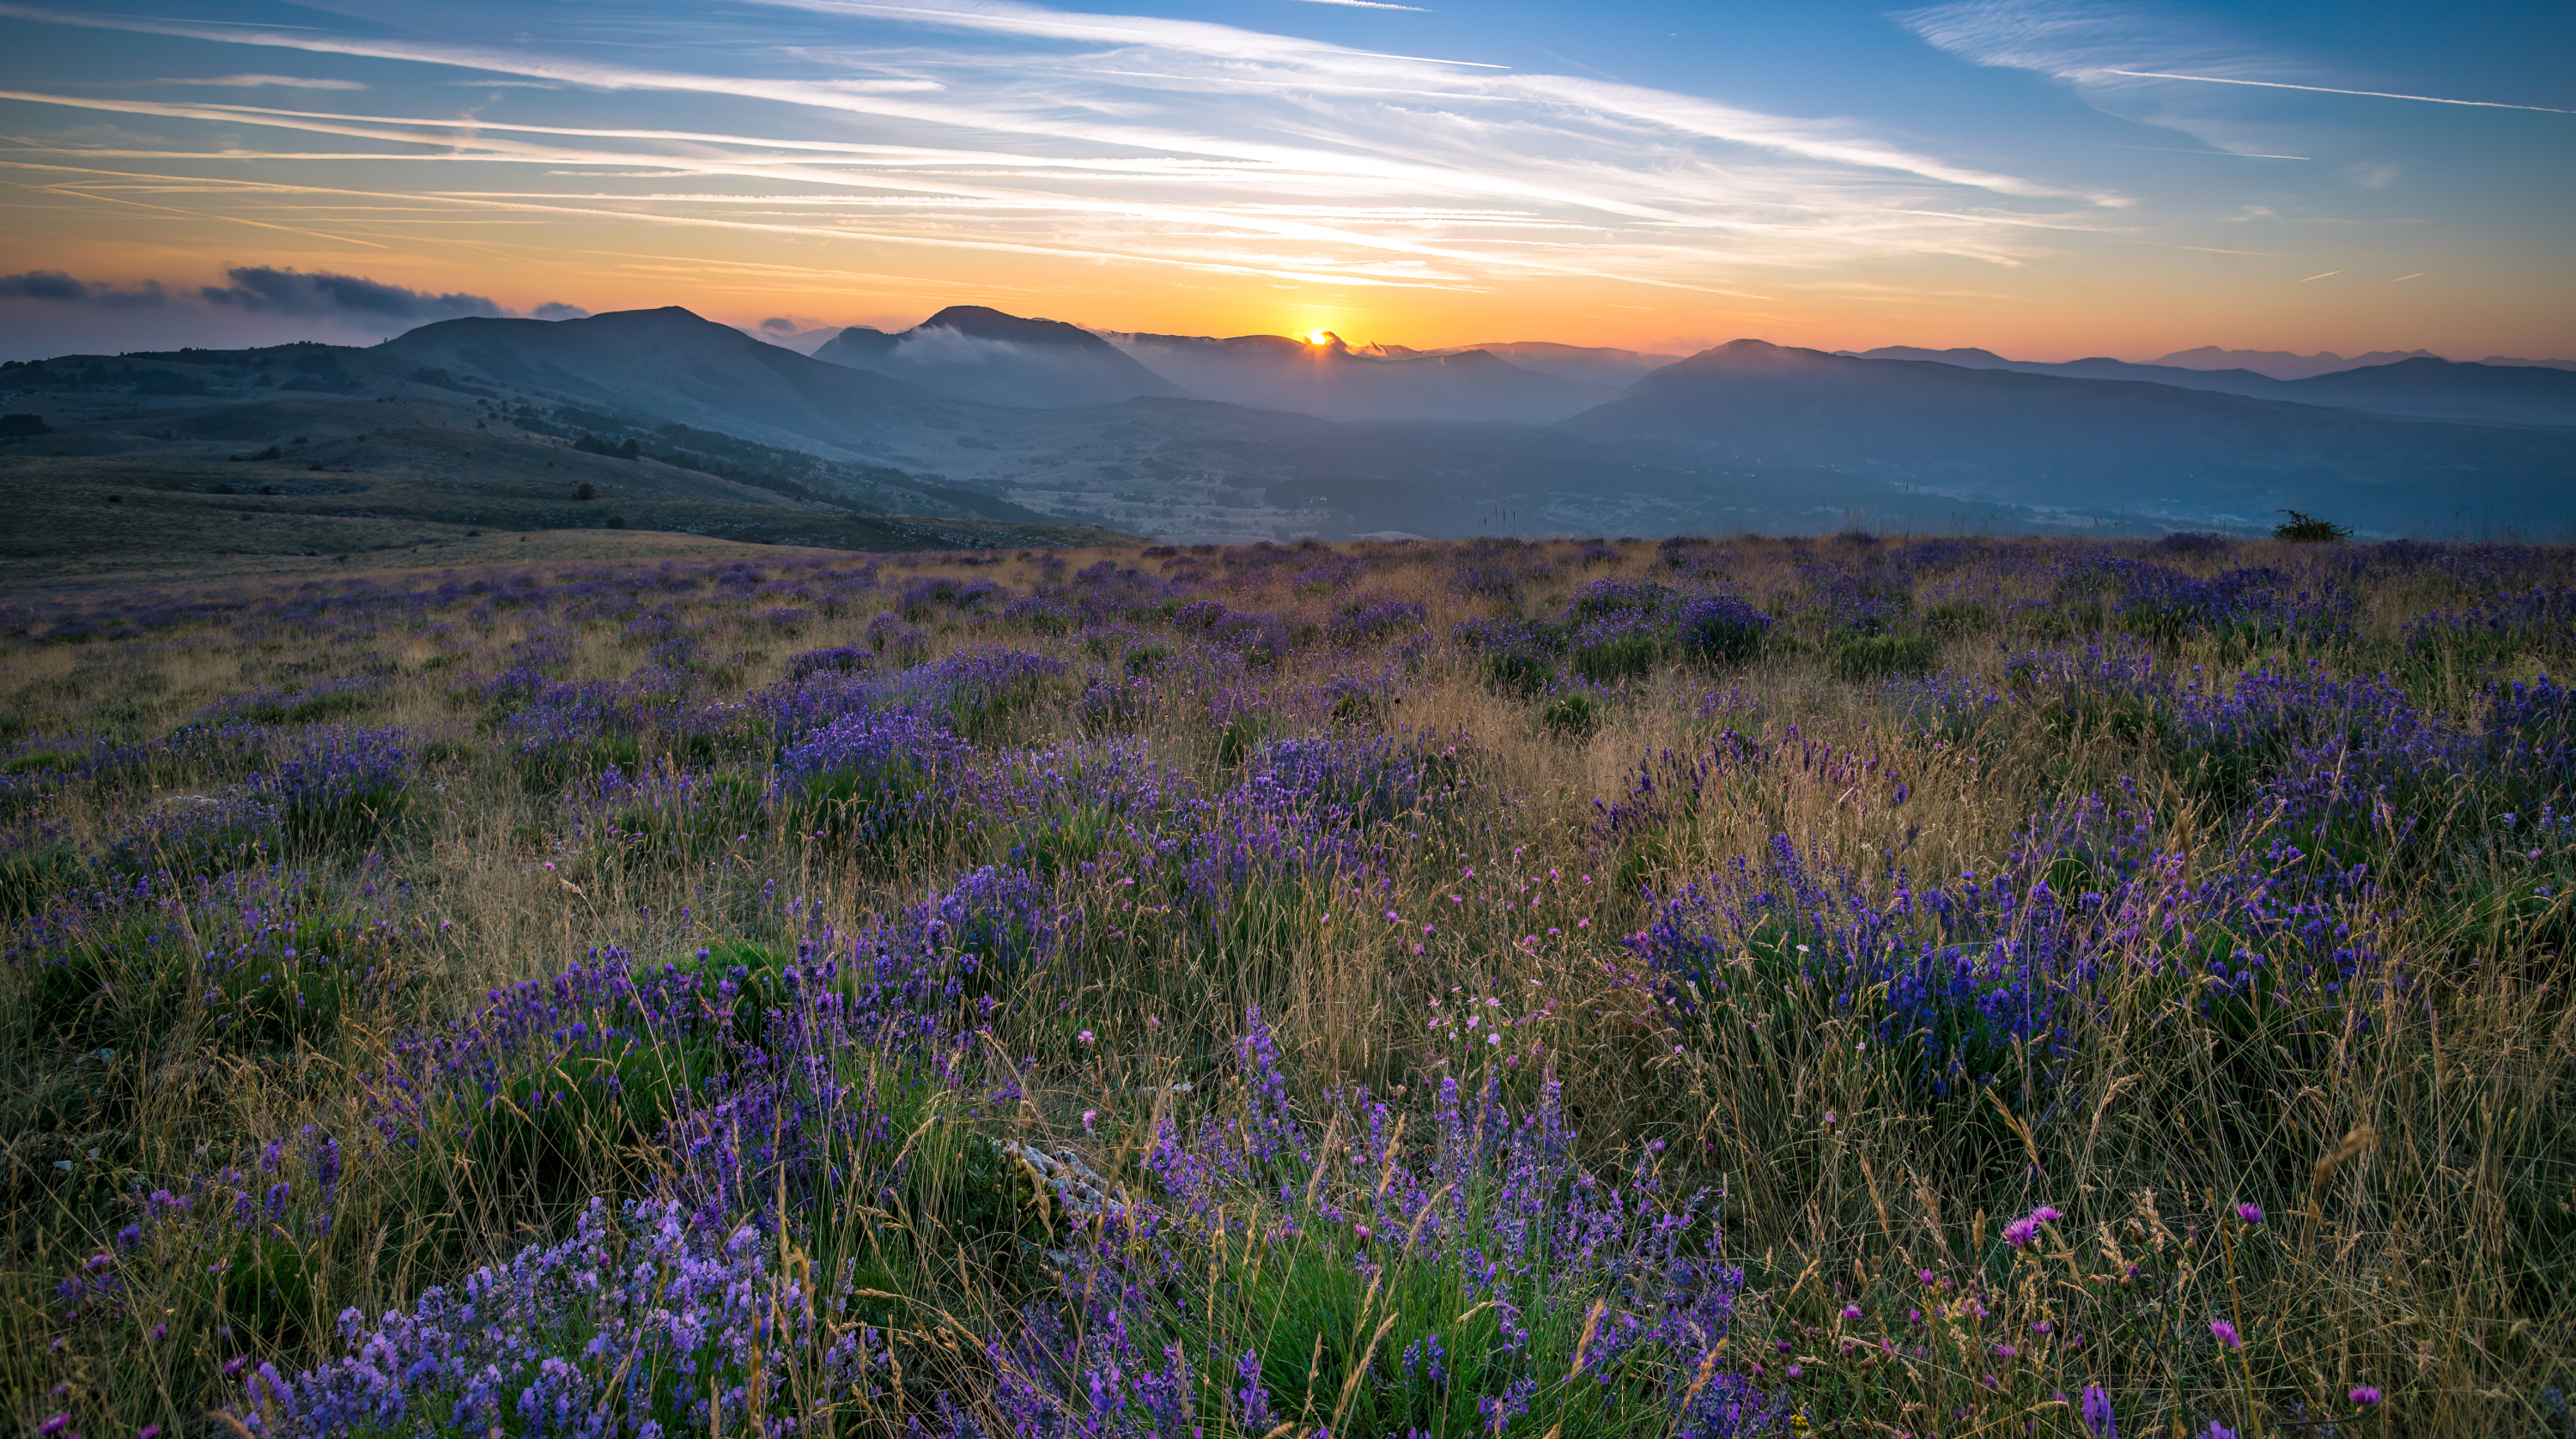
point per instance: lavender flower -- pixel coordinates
(2098, 1419)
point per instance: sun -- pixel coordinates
(1321, 337)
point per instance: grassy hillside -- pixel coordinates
(216, 461)
(1944, 986)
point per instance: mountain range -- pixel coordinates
(2416, 386)
(999, 420)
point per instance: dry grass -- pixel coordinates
(2416, 1170)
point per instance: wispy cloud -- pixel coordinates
(240, 82)
(1016, 128)
(2333, 90)
(2160, 64)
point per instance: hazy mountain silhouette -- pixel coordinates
(2226, 382)
(2046, 440)
(803, 342)
(1589, 364)
(2281, 364)
(970, 352)
(2423, 387)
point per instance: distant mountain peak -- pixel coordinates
(1750, 354)
(1966, 358)
(975, 352)
(982, 322)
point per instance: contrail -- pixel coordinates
(2320, 277)
(2330, 90)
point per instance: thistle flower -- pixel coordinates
(2025, 1229)
(2226, 1333)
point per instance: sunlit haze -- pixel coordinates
(2045, 178)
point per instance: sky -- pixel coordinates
(2049, 179)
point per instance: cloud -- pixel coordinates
(57, 286)
(2337, 90)
(2153, 63)
(268, 290)
(247, 82)
(296, 292)
(1014, 128)
(2106, 53)
(780, 325)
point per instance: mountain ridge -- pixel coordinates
(2004, 436)
(1745, 436)
(2419, 386)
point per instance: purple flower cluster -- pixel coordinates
(1361, 621)
(1989, 980)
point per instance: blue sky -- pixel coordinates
(2046, 179)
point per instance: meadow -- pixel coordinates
(1936, 986)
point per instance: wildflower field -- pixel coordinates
(1863, 986)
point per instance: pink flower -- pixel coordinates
(2022, 1231)
(2250, 1213)
(1085, 1036)
(2364, 1395)
(1851, 1311)
(2226, 1333)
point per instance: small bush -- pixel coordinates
(2308, 529)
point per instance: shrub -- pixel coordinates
(2308, 529)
